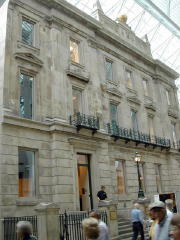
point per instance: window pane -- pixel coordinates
(158, 177)
(119, 165)
(26, 173)
(174, 132)
(74, 51)
(113, 113)
(77, 101)
(151, 128)
(168, 97)
(134, 120)
(109, 70)
(142, 175)
(27, 32)
(26, 96)
(145, 86)
(129, 79)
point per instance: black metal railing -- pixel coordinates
(71, 224)
(83, 121)
(9, 226)
(136, 136)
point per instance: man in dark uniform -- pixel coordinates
(102, 194)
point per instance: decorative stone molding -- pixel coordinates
(134, 99)
(172, 112)
(149, 104)
(26, 46)
(115, 92)
(78, 71)
(29, 57)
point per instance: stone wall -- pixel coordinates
(50, 134)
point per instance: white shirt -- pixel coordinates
(169, 213)
(104, 232)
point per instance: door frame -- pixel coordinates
(88, 165)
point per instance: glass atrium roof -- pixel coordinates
(159, 19)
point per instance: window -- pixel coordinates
(168, 97)
(158, 177)
(142, 175)
(145, 87)
(113, 114)
(27, 32)
(109, 70)
(77, 100)
(174, 133)
(151, 127)
(74, 51)
(26, 96)
(129, 79)
(120, 169)
(26, 173)
(134, 120)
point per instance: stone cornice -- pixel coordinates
(29, 57)
(81, 16)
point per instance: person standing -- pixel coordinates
(137, 220)
(24, 231)
(102, 195)
(104, 232)
(169, 207)
(161, 228)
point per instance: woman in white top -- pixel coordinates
(91, 228)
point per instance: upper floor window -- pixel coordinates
(120, 173)
(158, 177)
(26, 173)
(27, 32)
(174, 133)
(134, 119)
(129, 79)
(77, 100)
(146, 87)
(109, 70)
(26, 96)
(114, 113)
(151, 127)
(74, 51)
(168, 97)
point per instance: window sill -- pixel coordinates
(27, 201)
(33, 48)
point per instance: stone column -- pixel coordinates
(48, 221)
(111, 209)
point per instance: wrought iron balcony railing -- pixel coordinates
(83, 121)
(136, 136)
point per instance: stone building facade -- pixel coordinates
(56, 62)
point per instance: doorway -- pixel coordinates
(84, 181)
